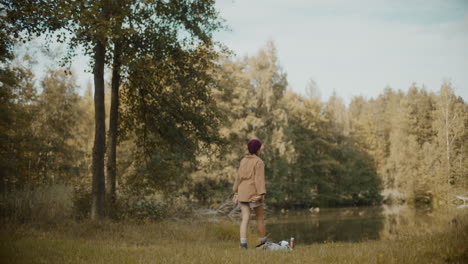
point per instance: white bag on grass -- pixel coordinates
(281, 246)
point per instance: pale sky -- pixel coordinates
(352, 47)
(356, 47)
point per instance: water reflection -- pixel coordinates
(355, 224)
(405, 220)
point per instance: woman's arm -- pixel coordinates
(260, 178)
(235, 187)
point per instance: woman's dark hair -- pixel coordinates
(254, 145)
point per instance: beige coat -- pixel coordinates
(250, 180)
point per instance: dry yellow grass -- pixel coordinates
(208, 242)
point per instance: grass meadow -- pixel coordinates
(185, 241)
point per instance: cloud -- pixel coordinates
(356, 49)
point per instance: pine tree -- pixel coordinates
(57, 118)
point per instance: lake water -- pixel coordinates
(355, 224)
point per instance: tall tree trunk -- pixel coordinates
(447, 141)
(98, 191)
(113, 124)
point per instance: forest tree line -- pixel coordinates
(153, 49)
(179, 109)
(401, 146)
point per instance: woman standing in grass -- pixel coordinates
(249, 189)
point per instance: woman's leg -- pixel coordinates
(245, 210)
(259, 212)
